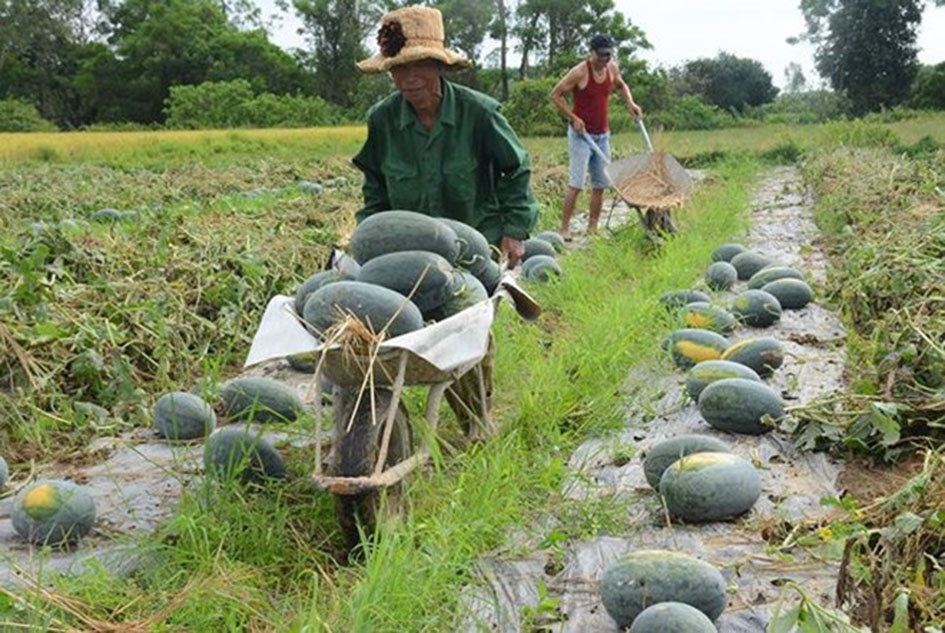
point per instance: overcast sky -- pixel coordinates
(681, 30)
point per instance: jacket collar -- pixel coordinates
(447, 114)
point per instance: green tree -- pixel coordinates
(928, 92)
(165, 43)
(866, 49)
(40, 41)
(336, 30)
(553, 34)
(729, 82)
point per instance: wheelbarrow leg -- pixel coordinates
(355, 449)
(470, 397)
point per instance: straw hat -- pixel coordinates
(409, 35)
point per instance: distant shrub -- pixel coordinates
(928, 90)
(691, 113)
(530, 111)
(123, 126)
(813, 106)
(20, 116)
(859, 133)
(925, 148)
(232, 104)
(891, 115)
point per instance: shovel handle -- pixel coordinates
(595, 148)
(645, 134)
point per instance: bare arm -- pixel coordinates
(624, 91)
(567, 84)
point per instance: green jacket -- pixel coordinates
(470, 167)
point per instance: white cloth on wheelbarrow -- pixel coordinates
(450, 346)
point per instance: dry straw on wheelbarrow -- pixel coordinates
(653, 179)
(648, 180)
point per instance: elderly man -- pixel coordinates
(439, 148)
(445, 150)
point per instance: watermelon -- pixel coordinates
(689, 346)
(647, 577)
(721, 276)
(736, 405)
(238, 454)
(469, 293)
(534, 246)
(771, 273)
(554, 238)
(748, 263)
(474, 249)
(541, 268)
(394, 231)
(260, 399)
(180, 415)
(106, 215)
(658, 458)
(674, 299)
(756, 308)
(710, 487)
(53, 512)
(763, 354)
(708, 371)
(792, 294)
(490, 276)
(726, 252)
(423, 277)
(307, 186)
(315, 282)
(672, 617)
(378, 308)
(702, 315)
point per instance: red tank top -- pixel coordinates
(590, 103)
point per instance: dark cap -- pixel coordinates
(602, 44)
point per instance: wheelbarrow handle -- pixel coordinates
(645, 134)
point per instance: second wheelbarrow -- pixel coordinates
(652, 182)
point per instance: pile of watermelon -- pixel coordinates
(412, 269)
(699, 477)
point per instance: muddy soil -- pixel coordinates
(755, 553)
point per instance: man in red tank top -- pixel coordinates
(590, 83)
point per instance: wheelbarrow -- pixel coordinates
(372, 449)
(653, 183)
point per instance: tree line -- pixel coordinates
(83, 63)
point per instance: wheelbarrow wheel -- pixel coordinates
(355, 452)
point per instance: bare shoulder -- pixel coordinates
(573, 78)
(615, 72)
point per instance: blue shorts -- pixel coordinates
(583, 159)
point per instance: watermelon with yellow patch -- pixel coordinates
(689, 346)
(705, 316)
(763, 354)
(706, 487)
(53, 512)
